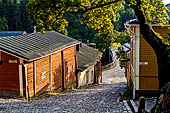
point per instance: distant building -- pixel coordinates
(89, 65)
(11, 33)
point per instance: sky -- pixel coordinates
(166, 1)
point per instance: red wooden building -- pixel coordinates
(33, 63)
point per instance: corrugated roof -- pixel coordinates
(11, 33)
(87, 56)
(35, 45)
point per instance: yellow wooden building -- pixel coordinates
(142, 69)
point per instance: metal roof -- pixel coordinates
(87, 56)
(11, 33)
(35, 45)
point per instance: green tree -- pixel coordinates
(77, 30)
(123, 15)
(104, 40)
(122, 37)
(15, 12)
(3, 24)
(3, 10)
(101, 14)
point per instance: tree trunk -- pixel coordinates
(163, 68)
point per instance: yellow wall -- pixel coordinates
(149, 73)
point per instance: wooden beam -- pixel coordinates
(76, 71)
(34, 83)
(50, 72)
(26, 82)
(63, 71)
(20, 80)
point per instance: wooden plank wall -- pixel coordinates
(30, 78)
(149, 73)
(9, 74)
(43, 65)
(56, 71)
(69, 61)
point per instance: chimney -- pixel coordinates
(34, 29)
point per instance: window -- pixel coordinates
(78, 47)
(68, 71)
(43, 75)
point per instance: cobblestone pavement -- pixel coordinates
(102, 98)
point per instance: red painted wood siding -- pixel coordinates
(9, 74)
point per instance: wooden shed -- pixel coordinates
(142, 70)
(33, 63)
(89, 65)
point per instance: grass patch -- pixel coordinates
(48, 94)
(127, 93)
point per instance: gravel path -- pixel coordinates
(98, 99)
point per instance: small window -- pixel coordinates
(68, 71)
(43, 75)
(78, 47)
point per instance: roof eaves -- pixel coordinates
(14, 54)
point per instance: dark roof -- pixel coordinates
(11, 33)
(87, 56)
(35, 45)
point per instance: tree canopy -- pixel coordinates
(15, 13)
(3, 24)
(97, 14)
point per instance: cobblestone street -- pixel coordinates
(101, 99)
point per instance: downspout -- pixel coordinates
(137, 56)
